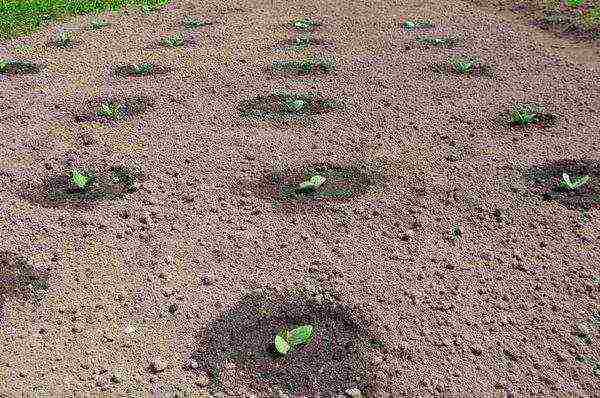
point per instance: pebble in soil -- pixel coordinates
(335, 358)
(58, 191)
(286, 104)
(16, 67)
(18, 279)
(114, 109)
(544, 180)
(143, 69)
(340, 183)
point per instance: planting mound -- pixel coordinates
(339, 183)
(61, 190)
(545, 179)
(335, 359)
(114, 109)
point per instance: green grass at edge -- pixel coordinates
(22, 17)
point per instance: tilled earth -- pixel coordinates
(437, 259)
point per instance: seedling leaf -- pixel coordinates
(281, 345)
(574, 3)
(567, 183)
(80, 179)
(300, 335)
(295, 105)
(313, 183)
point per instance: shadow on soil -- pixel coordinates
(60, 191)
(545, 179)
(335, 359)
(341, 183)
(18, 280)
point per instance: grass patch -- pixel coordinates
(22, 17)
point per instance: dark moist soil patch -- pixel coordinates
(543, 180)
(276, 104)
(127, 107)
(566, 26)
(59, 191)
(20, 68)
(446, 69)
(18, 279)
(342, 183)
(130, 71)
(298, 68)
(336, 359)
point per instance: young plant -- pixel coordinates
(304, 23)
(456, 233)
(524, 115)
(176, 40)
(142, 69)
(416, 24)
(194, 23)
(463, 65)
(111, 111)
(574, 3)
(303, 41)
(295, 105)
(64, 39)
(80, 180)
(311, 184)
(568, 184)
(3, 65)
(285, 341)
(436, 41)
(98, 24)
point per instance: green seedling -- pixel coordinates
(456, 233)
(81, 180)
(596, 280)
(142, 69)
(64, 39)
(436, 41)
(574, 3)
(295, 105)
(286, 341)
(567, 183)
(305, 66)
(303, 40)
(304, 23)
(176, 40)
(524, 116)
(463, 65)
(98, 24)
(416, 24)
(111, 111)
(194, 23)
(3, 65)
(311, 184)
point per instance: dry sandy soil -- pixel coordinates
(450, 266)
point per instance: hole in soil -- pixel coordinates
(335, 183)
(544, 180)
(83, 186)
(286, 104)
(438, 41)
(462, 66)
(302, 68)
(18, 67)
(18, 279)
(528, 115)
(142, 69)
(335, 359)
(115, 109)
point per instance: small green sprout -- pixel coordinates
(295, 105)
(304, 23)
(286, 341)
(64, 39)
(142, 69)
(81, 180)
(311, 184)
(463, 65)
(408, 24)
(99, 24)
(525, 115)
(567, 183)
(574, 3)
(3, 65)
(176, 40)
(596, 280)
(194, 23)
(303, 40)
(437, 41)
(456, 232)
(112, 111)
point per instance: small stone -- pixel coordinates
(157, 365)
(353, 393)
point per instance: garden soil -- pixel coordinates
(457, 274)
